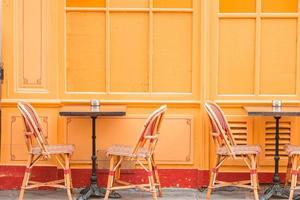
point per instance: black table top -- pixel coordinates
(273, 111)
(93, 111)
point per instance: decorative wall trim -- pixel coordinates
(23, 84)
(188, 159)
(13, 119)
(150, 11)
(62, 102)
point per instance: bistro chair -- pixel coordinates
(226, 147)
(292, 168)
(143, 151)
(39, 149)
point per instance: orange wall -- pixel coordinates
(142, 54)
(67, 54)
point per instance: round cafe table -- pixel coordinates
(93, 112)
(275, 189)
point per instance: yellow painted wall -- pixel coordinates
(144, 53)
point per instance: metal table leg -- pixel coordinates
(93, 189)
(275, 189)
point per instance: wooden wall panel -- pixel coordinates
(176, 136)
(13, 146)
(76, 131)
(278, 56)
(280, 6)
(18, 149)
(237, 6)
(30, 49)
(172, 52)
(129, 3)
(236, 56)
(256, 44)
(142, 53)
(30, 59)
(85, 52)
(17, 146)
(86, 3)
(172, 3)
(129, 52)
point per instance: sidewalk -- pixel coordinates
(169, 194)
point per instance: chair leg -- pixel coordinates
(26, 177)
(110, 177)
(156, 177)
(67, 175)
(151, 179)
(253, 173)
(118, 170)
(294, 176)
(71, 182)
(213, 177)
(288, 171)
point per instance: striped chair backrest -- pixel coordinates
(33, 127)
(151, 129)
(220, 126)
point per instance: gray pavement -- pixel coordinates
(230, 193)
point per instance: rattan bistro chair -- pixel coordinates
(226, 147)
(38, 148)
(292, 168)
(144, 150)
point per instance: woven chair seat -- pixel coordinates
(55, 149)
(241, 150)
(124, 150)
(292, 149)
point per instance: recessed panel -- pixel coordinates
(18, 149)
(237, 6)
(79, 133)
(129, 52)
(85, 52)
(236, 56)
(32, 69)
(172, 3)
(278, 56)
(279, 5)
(172, 57)
(175, 136)
(86, 3)
(129, 3)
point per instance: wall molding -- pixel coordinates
(189, 119)
(22, 83)
(65, 102)
(13, 119)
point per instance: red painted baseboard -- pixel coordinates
(11, 176)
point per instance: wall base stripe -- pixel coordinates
(11, 176)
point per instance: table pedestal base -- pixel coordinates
(94, 191)
(277, 191)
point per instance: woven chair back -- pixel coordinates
(221, 131)
(150, 131)
(33, 127)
